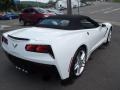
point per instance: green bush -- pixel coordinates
(116, 0)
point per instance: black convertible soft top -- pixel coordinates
(69, 17)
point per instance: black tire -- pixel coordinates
(10, 18)
(22, 22)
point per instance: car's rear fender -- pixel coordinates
(64, 50)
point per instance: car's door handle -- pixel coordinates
(88, 33)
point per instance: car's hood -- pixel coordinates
(38, 33)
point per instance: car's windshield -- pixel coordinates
(41, 10)
(53, 10)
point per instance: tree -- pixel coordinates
(7, 5)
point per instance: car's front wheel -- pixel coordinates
(109, 37)
(22, 22)
(10, 18)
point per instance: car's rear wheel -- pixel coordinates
(78, 63)
(77, 66)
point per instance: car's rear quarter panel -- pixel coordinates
(64, 49)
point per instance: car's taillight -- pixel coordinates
(39, 49)
(4, 40)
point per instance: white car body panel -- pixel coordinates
(64, 44)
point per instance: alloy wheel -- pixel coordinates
(80, 63)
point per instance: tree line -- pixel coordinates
(6, 5)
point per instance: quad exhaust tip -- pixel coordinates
(22, 69)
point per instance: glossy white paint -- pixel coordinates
(64, 44)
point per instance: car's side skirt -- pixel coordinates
(96, 46)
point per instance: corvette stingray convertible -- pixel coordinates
(65, 42)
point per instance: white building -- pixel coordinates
(43, 1)
(63, 4)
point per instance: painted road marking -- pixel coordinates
(112, 11)
(101, 10)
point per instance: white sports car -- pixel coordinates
(65, 42)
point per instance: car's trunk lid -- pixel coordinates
(36, 33)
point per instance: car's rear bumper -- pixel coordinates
(34, 57)
(31, 66)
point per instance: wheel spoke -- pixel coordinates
(83, 55)
(109, 36)
(76, 66)
(83, 65)
(78, 71)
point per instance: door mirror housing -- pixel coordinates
(103, 25)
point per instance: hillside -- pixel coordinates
(25, 4)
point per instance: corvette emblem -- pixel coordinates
(15, 45)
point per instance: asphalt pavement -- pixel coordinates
(102, 70)
(103, 12)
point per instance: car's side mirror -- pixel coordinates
(103, 25)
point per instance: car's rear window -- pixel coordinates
(68, 23)
(55, 22)
(58, 23)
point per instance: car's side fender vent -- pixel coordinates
(17, 38)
